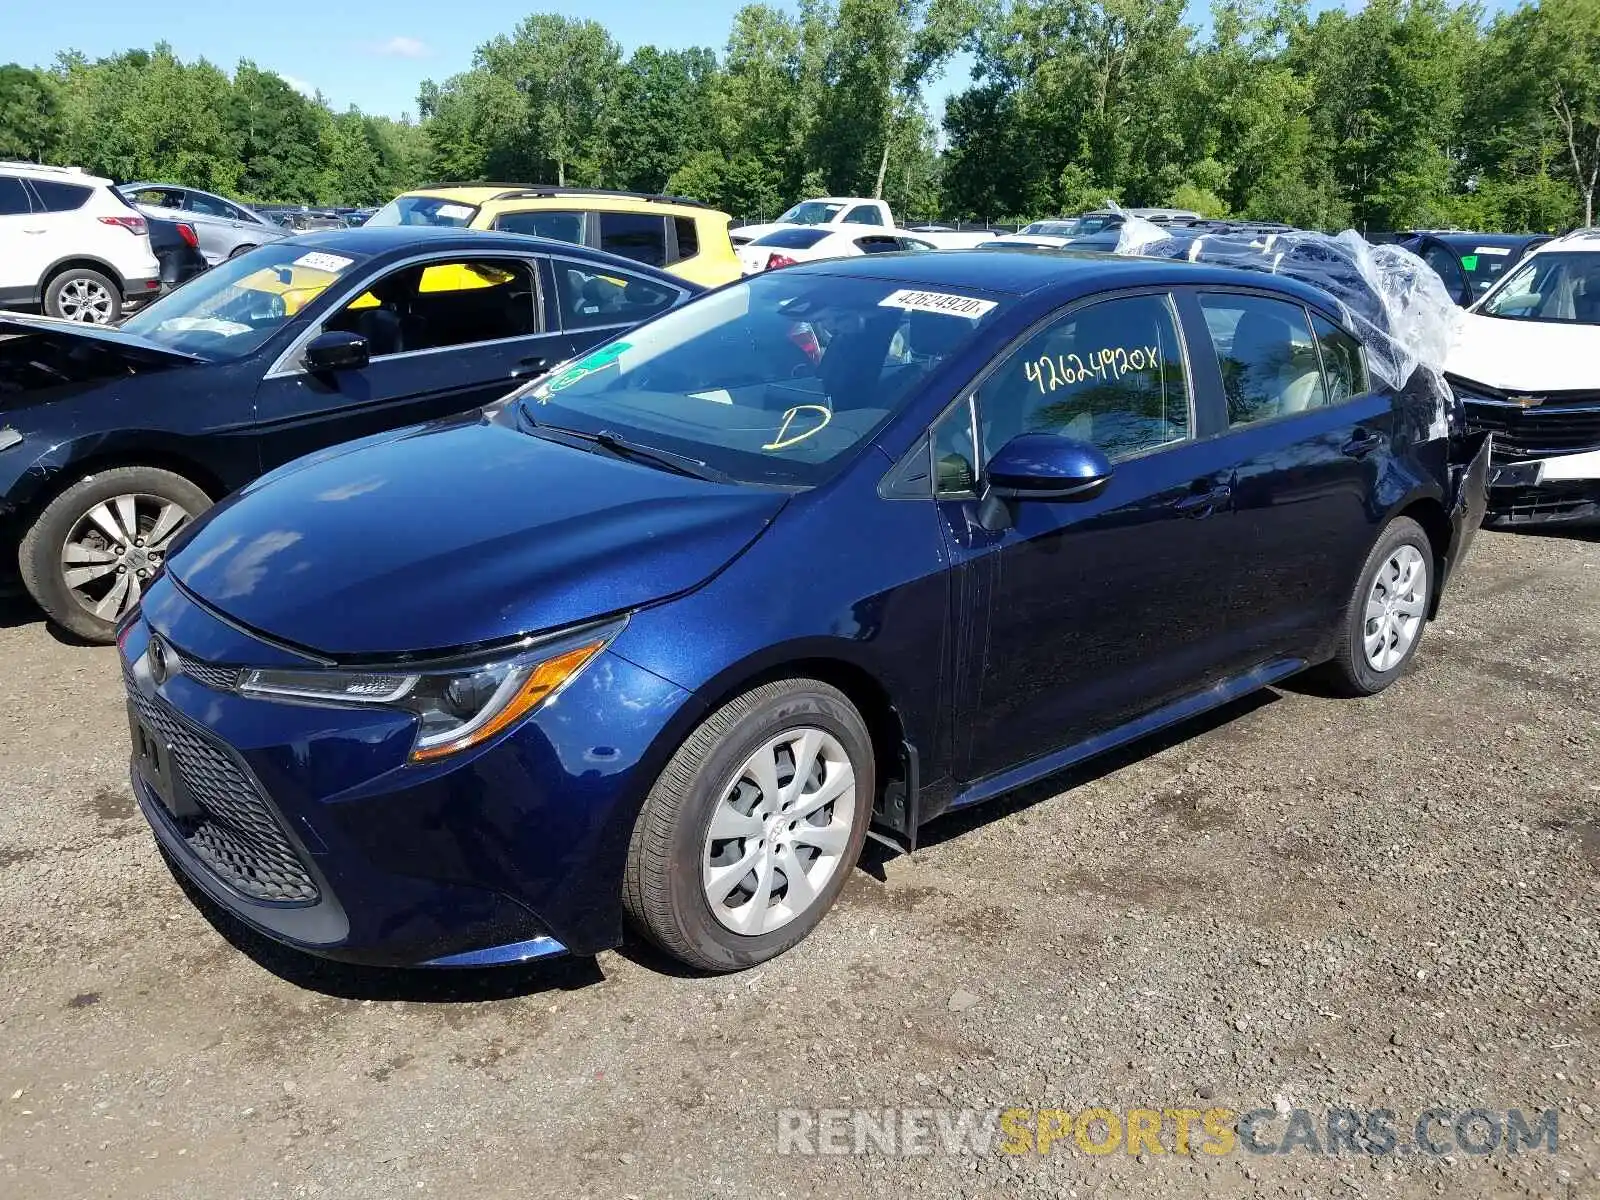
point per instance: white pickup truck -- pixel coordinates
(844, 214)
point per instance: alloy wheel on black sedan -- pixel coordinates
(115, 548)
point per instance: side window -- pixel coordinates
(442, 304)
(864, 214)
(1269, 363)
(877, 244)
(1111, 374)
(558, 226)
(13, 196)
(592, 297)
(638, 236)
(205, 205)
(61, 197)
(1342, 362)
(238, 214)
(158, 198)
(1446, 266)
(688, 237)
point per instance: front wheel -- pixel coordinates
(88, 558)
(750, 833)
(1384, 619)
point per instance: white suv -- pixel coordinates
(71, 245)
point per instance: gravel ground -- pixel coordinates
(1296, 903)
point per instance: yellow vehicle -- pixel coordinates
(683, 237)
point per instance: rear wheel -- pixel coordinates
(80, 294)
(88, 558)
(750, 833)
(1385, 616)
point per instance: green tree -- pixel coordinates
(662, 115)
(278, 137)
(30, 113)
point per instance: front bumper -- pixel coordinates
(308, 824)
(1546, 453)
(1561, 488)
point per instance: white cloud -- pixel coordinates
(400, 46)
(299, 85)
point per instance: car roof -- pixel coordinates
(1023, 270)
(401, 239)
(44, 171)
(1458, 241)
(505, 197)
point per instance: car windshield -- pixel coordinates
(811, 212)
(1052, 228)
(1555, 286)
(237, 305)
(774, 380)
(424, 210)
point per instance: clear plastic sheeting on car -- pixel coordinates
(1387, 295)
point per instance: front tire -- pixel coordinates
(95, 547)
(751, 831)
(1387, 611)
(80, 294)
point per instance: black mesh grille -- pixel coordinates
(1536, 432)
(218, 679)
(237, 834)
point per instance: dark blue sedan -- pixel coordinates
(846, 545)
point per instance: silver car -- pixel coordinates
(223, 227)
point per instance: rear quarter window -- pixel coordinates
(61, 197)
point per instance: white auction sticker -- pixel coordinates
(1495, 251)
(938, 302)
(455, 212)
(318, 261)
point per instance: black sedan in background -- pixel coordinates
(111, 440)
(1470, 263)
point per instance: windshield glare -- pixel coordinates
(232, 309)
(1557, 286)
(773, 380)
(812, 212)
(424, 210)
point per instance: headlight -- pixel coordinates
(458, 703)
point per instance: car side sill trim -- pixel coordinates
(1168, 714)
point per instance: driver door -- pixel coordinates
(1088, 612)
(444, 335)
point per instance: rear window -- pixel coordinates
(793, 239)
(558, 226)
(638, 236)
(61, 197)
(425, 210)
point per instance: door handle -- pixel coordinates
(530, 367)
(35, 231)
(1203, 504)
(1362, 444)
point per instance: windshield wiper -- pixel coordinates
(620, 447)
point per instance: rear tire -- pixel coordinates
(733, 859)
(81, 294)
(81, 559)
(1386, 613)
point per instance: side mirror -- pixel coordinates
(337, 351)
(1046, 466)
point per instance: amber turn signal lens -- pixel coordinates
(544, 681)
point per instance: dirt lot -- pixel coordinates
(1298, 903)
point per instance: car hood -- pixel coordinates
(457, 534)
(41, 356)
(1526, 356)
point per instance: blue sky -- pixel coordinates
(373, 56)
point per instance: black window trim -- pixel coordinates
(594, 268)
(925, 439)
(290, 362)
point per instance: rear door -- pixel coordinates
(25, 249)
(217, 230)
(1306, 438)
(446, 334)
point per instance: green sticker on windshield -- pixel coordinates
(1469, 262)
(588, 365)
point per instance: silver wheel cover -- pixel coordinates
(779, 831)
(1396, 608)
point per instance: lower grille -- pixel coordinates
(237, 834)
(218, 679)
(1536, 432)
